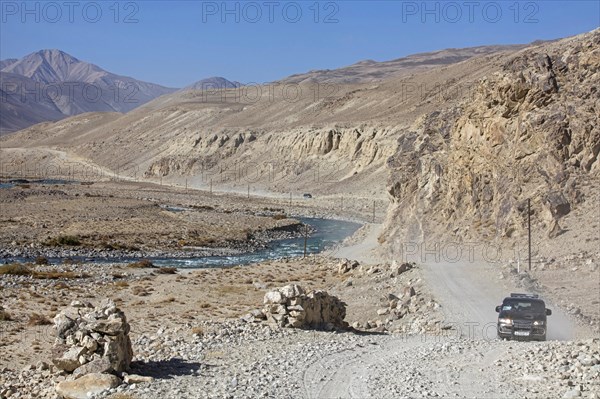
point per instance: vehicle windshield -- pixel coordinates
(523, 305)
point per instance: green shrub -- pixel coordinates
(41, 260)
(4, 315)
(167, 270)
(60, 241)
(36, 319)
(142, 264)
(16, 269)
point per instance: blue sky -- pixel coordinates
(176, 43)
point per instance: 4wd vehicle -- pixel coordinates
(522, 316)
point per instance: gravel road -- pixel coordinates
(466, 362)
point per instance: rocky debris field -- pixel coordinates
(236, 359)
(178, 318)
(191, 336)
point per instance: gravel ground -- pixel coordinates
(238, 360)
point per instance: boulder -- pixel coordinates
(66, 358)
(573, 393)
(291, 291)
(408, 292)
(97, 366)
(398, 269)
(86, 386)
(346, 266)
(557, 204)
(137, 379)
(274, 297)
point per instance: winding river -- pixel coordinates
(327, 235)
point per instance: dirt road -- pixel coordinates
(459, 363)
(364, 249)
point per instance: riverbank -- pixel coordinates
(126, 220)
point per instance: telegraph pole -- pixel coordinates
(373, 211)
(305, 239)
(529, 229)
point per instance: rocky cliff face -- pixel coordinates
(528, 131)
(279, 159)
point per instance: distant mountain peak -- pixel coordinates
(69, 76)
(50, 66)
(50, 54)
(214, 82)
(7, 62)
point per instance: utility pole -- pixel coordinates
(186, 187)
(373, 211)
(248, 191)
(211, 186)
(305, 239)
(529, 229)
(290, 199)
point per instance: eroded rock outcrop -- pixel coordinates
(529, 131)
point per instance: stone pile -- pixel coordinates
(290, 306)
(346, 266)
(92, 339)
(395, 269)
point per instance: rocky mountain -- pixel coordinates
(274, 140)
(215, 82)
(58, 85)
(529, 131)
(462, 145)
(15, 113)
(371, 71)
(339, 134)
(8, 62)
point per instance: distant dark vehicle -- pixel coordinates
(307, 195)
(522, 316)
